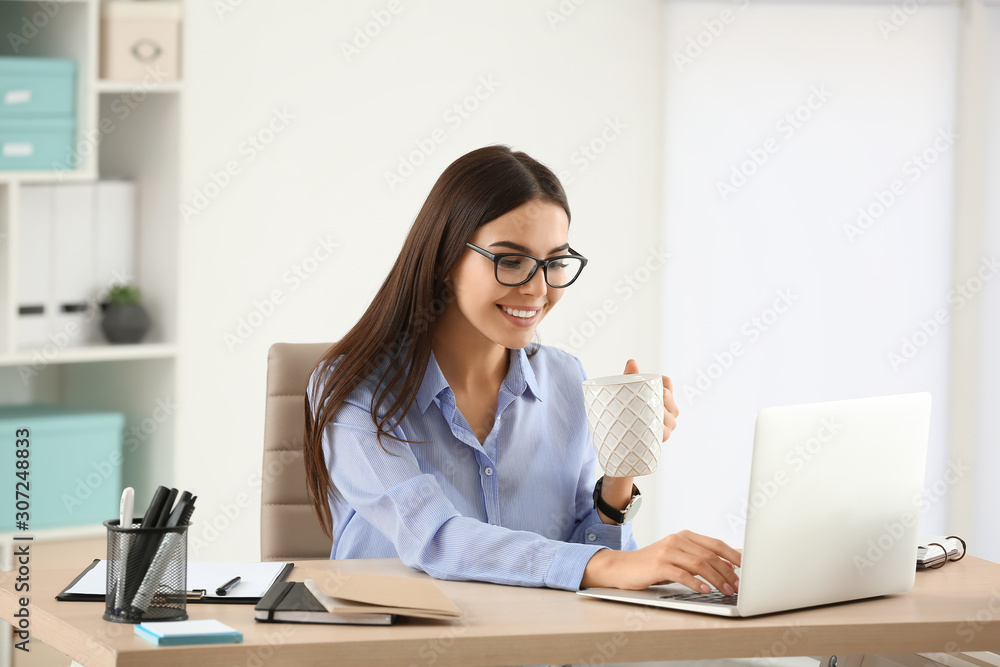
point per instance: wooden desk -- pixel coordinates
(956, 608)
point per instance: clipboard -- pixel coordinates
(200, 595)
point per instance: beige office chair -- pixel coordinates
(289, 528)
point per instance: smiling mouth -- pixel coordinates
(522, 313)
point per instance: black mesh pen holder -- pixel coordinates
(146, 573)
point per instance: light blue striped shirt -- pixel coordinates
(517, 509)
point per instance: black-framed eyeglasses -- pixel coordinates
(514, 268)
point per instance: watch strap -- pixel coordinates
(618, 516)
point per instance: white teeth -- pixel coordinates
(524, 314)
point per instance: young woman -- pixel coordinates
(433, 436)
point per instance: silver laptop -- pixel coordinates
(831, 514)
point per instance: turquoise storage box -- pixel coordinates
(37, 87)
(74, 467)
(37, 143)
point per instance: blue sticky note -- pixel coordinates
(176, 633)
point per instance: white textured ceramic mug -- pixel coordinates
(625, 415)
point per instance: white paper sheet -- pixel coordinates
(256, 578)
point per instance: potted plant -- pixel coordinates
(124, 319)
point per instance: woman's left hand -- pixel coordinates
(670, 410)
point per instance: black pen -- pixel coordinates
(226, 587)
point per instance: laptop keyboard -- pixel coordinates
(715, 597)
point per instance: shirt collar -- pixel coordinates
(432, 385)
(520, 376)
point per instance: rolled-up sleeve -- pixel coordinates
(387, 488)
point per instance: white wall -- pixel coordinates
(558, 86)
(782, 241)
(986, 498)
(560, 82)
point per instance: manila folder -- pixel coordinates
(357, 593)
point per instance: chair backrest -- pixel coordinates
(289, 528)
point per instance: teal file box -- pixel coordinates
(37, 87)
(37, 113)
(74, 468)
(37, 143)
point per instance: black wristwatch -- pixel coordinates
(619, 516)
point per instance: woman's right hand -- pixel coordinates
(675, 558)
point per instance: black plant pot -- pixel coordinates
(124, 324)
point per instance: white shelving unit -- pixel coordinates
(141, 146)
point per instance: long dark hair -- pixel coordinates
(394, 334)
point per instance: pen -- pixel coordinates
(226, 587)
(167, 508)
(161, 560)
(145, 545)
(124, 521)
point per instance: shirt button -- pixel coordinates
(591, 537)
(489, 471)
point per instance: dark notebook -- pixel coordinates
(291, 602)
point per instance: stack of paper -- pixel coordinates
(930, 555)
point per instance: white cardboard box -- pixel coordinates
(140, 40)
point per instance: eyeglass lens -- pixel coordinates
(515, 269)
